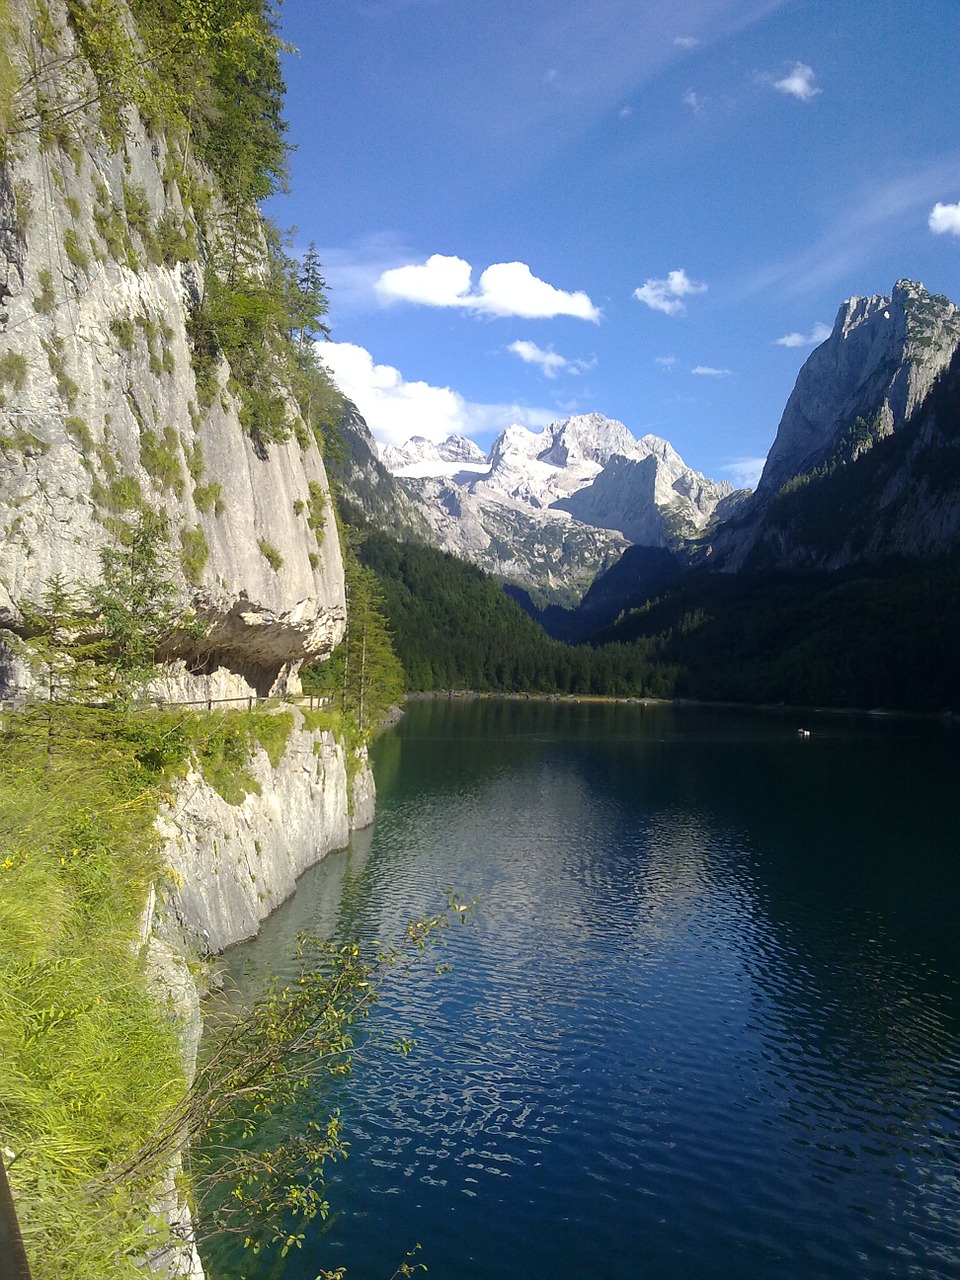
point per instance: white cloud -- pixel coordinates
(707, 371)
(819, 333)
(665, 362)
(396, 409)
(504, 289)
(686, 42)
(626, 113)
(797, 83)
(744, 473)
(511, 289)
(945, 218)
(549, 360)
(441, 281)
(694, 101)
(666, 295)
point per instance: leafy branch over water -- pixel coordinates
(254, 1179)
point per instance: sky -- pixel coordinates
(528, 209)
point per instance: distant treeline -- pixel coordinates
(883, 637)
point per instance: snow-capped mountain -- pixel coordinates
(421, 457)
(550, 508)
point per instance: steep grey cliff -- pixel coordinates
(102, 274)
(118, 402)
(864, 381)
(866, 384)
(230, 865)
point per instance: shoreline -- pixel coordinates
(780, 708)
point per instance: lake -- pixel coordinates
(704, 1026)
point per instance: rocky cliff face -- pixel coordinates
(864, 381)
(227, 867)
(101, 279)
(115, 403)
(231, 865)
(866, 385)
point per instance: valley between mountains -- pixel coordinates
(834, 581)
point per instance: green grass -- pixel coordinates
(90, 1060)
(194, 554)
(270, 553)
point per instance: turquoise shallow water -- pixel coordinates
(706, 1024)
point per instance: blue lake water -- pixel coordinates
(705, 1026)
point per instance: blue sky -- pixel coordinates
(532, 208)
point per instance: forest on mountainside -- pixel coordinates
(454, 628)
(883, 638)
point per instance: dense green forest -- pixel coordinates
(878, 639)
(454, 628)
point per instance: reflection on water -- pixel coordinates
(704, 1026)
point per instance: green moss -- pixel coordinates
(160, 458)
(23, 198)
(9, 79)
(317, 511)
(44, 301)
(209, 497)
(122, 329)
(13, 370)
(75, 251)
(120, 494)
(270, 553)
(77, 427)
(136, 206)
(68, 389)
(194, 554)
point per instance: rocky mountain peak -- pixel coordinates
(586, 437)
(864, 381)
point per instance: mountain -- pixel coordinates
(550, 510)
(455, 450)
(865, 385)
(367, 492)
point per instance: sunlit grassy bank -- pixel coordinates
(92, 1061)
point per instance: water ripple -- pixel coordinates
(677, 1043)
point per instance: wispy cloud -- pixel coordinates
(685, 42)
(874, 215)
(396, 409)
(665, 362)
(504, 289)
(944, 219)
(549, 361)
(694, 101)
(743, 473)
(352, 270)
(817, 334)
(797, 83)
(708, 371)
(667, 295)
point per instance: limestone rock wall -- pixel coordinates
(100, 408)
(231, 865)
(879, 362)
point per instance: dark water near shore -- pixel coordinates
(706, 1025)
